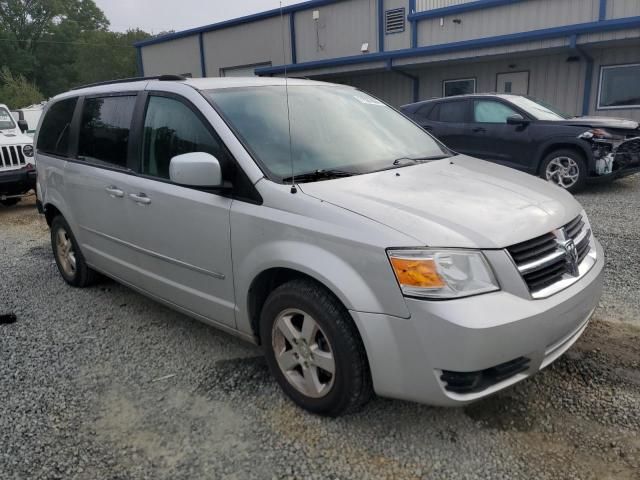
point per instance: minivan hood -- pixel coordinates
(463, 202)
(600, 122)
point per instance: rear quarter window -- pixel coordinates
(53, 137)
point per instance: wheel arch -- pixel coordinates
(564, 144)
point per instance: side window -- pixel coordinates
(425, 111)
(53, 137)
(488, 111)
(104, 130)
(452, 112)
(171, 128)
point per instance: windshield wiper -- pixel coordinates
(410, 161)
(321, 174)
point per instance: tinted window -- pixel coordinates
(463, 86)
(425, 110)
(171, 128)
(452, 112)
(619, 87)
(488, 111)
(104, 131)
(54, 133)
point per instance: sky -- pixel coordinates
(155, 16)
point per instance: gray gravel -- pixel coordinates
(103, 383)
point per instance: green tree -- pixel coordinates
(16, 91)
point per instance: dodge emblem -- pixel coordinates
(570, 255)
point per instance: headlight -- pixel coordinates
(598, 134)
(442, 273)
(28, 150)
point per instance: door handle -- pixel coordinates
(114, 192)
(140, 198)
(479, 130)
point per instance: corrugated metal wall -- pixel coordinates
(174, 57)
(423, 5)
(518, 17)
(391, 87)
(339, 32)
(247, 44)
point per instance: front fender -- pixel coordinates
(339, 276)
(564, 142)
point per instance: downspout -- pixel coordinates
(380, 25)
(292, 32)
(588, 74)
(203, 64)
(414, 79)
(603, 10)
(414, 24)
(139, 64)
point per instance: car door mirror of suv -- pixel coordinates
(196, 169)
(517, 119)
(23, 126)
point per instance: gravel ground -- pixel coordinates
(105, 384)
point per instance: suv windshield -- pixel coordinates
(332, 128)
(537, 109)
(6, 120)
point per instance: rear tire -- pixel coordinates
(10, 202)
(565, 168)
(69, 258)
(314, 350)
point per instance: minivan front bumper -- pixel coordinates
(475, 339)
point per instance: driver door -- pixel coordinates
(182, 234)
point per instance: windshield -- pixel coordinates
(332, 128)
(537, 109)
(6, 120)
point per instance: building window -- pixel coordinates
(394, 21)
(461, 86)
(619, 87)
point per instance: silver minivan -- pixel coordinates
(315, 220)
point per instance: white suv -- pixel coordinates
(17, 164)
(357, 249)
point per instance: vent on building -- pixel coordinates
(394, 20)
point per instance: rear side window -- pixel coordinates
(53, 137)
(171, 128)
(104, 130)
(449, 112)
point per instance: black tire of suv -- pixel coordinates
(576, 157)
(352, 387)
(84, 276)
(10, 202)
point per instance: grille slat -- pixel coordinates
(12, 156)
(542, 261)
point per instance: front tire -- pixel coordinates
(565, 168)
(314, 350)
(69, 258)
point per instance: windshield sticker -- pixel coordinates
(368, 100)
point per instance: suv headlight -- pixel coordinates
(28, 150)
(442, 273)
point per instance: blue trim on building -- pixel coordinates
(309, 4)
(139, 64)
(521, 37)
(414, 24)
(464, 7)
(292, 33)
(203, 63)
(603, 10)
(588, 85)
(380, 25)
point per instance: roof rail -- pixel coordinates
(162, 78)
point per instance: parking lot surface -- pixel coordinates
(104, 383)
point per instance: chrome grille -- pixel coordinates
(11, 156)
(548, 259)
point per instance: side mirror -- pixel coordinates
(517, 119)
(23, 125)
(197, 169)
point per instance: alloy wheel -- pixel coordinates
(563, 171)
(66, 254)
(303, 353)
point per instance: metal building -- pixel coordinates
(582, 56)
